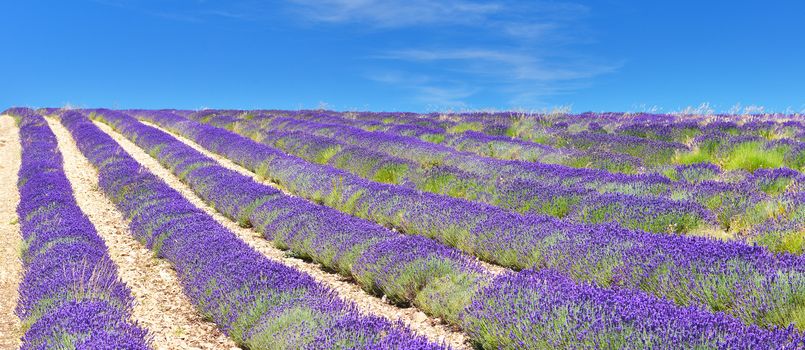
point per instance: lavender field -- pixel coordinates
(316, 229)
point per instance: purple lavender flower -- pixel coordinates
(259, 303)
(748, 282)
(70, 295)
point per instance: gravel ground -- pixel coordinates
(10, 240)
(161, 306)
(417, 320)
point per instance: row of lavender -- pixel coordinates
(70, 295)
(666, 127)
(764, 205)
(461, 136)
(755, 143)
(657, 139)
(741, 146)
(759, 182)
(259, 303)
(736, 150)
(400, 160)
(719, 141)
(506, 131)
(406, 269)
(747, 282)
(514, 310)
(469, 137)
(403, 146)
(725, 151)
(746, 206)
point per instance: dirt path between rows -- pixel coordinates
(161, 306)
(222, 161)
(417, 320)
(10, 239)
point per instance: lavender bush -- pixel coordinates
(259, 303)
(488, 328)
(747, 282)
(70, 294)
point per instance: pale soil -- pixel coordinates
(418, 321)
(160, 304)
(226, 163)
(10, 239)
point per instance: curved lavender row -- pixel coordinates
(780, 135)
(505, 147)
(680, 129)
(530, 300)
(750, 201)
(406, 269)
(670, 130)
(259, 303)
(534, 127)
(418, 150)
(668, 206)
(515, 149)
(321, 143)
(492, 146)
(653, 137)
(437, 150)
(744, 206)
(725, 142)
(527, 170)
(748, 282)
(652, 152)
(421, 151)
(738, 207)
(70, 295)
(731, 152)
(546, 310)
(649, 132)
(564, 131)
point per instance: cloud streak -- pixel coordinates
(520, 52)
(197, 11)
(513, 65)
(450, 53)
(433, 94)
(394, 13)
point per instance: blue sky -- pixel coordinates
(413, 55)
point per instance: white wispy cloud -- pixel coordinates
(524, 53)
(524, 78)
(530, 31)
(197, 11)
(510, 63)
(441, 97)
(395, 13)
(463, 50)
(434, 95)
